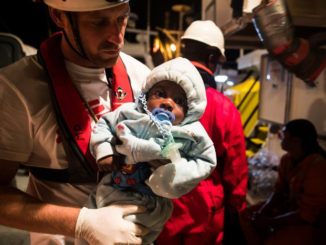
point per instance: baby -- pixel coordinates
(167, 151)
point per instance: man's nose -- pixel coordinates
(115, 34)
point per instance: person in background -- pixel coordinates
(49, 103)
(162, 127)
(208, 211)
(295, 211)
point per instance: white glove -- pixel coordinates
(106, 226)
(138, 150)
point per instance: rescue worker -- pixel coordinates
(198, 217)
(49, 104)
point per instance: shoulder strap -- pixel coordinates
(72, 116)
(122, 90)
(82, 168)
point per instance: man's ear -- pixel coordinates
(58, 17)
(213, 59)
(212, 62)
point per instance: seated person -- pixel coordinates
(293, 212)
(167, 151)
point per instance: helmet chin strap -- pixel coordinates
(75, 32)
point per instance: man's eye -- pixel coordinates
(123, 19)
(99, 23)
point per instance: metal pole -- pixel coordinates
(148, 26)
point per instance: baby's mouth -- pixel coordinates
(163, 115)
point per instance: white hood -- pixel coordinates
(185, 74)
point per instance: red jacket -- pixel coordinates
(198, 217)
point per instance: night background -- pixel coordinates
(30, 21)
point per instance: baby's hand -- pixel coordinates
(109, 164)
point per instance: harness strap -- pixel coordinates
(72, 115)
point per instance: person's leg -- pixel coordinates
(193, 239)
(158, 209)
(252, 235)
(204, 238)
(233, 233)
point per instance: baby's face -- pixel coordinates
(169, 96)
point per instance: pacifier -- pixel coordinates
(170, 149)
(164, 116)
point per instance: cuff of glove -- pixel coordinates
(79, 223)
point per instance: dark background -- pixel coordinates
(30, 21)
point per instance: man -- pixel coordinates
(48, 105)
(198, 217)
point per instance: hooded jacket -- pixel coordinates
(142, 141)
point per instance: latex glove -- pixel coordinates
(106, 226)
(138, 150)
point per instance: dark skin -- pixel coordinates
(165, 94)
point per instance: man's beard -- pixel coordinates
(103, 63)
(99, 61)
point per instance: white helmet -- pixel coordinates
(83, 5)
(207, 32)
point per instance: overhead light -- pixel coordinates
(221, 78)
(173, 47)
(268, 77)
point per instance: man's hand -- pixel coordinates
(106, 226)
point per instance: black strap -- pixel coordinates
(56, 175)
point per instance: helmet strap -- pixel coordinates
(74, 27)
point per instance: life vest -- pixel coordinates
(72, 114)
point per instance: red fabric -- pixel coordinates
(122, 92)
(71, 105)
(201, 66)
(198, 217)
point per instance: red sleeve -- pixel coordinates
(222, 122)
